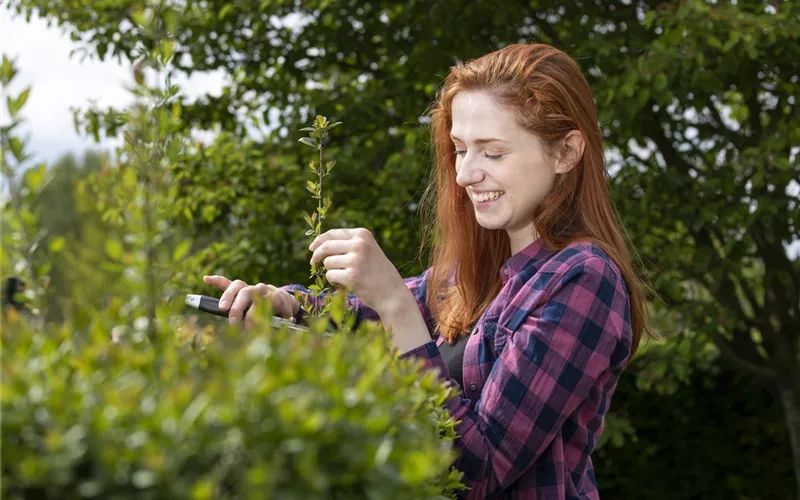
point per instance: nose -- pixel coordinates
(467, 172)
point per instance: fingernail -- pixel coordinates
(223, 303)
(233, 320)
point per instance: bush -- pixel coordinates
(264, 413)
(717, 436)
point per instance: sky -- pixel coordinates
(60, 82)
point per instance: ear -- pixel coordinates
(572, 147)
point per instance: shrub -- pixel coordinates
(266, 413)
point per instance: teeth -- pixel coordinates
(489, 196)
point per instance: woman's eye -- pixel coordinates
(487, 155)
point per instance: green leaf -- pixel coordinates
(129, 178)
(17, 146)
(113, 249)
(7, 71)
(181, 250)
(56, 244)
(224, 11)
(167, 48)
(308, 142)
(307, 129)
(13, 105)
(22, 98)
(138, 75)
(660, 81)
(34, 177)
(311, 186)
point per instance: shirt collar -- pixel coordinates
(533, 254)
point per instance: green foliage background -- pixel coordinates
(697, 101)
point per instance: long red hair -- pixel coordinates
(550, 97)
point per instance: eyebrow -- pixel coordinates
(481, 140)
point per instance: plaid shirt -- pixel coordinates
(540, 368)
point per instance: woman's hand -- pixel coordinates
(238, 296)
(354, 260)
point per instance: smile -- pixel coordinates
(485, 199)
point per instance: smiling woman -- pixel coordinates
(530, 305)
(506, 178)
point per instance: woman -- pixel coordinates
(537, 307)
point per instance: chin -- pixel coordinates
(492, 223)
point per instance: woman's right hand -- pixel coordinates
(238, 296)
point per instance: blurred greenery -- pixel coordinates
(276, 414)
(697, 101)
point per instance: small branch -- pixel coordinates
(733, 136)
(754, 117)
(727, 350)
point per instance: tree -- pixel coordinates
(697, 101)
(25, 263)
(81, 274)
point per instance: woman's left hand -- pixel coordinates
(354, 260)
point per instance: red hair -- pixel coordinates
(550, 97)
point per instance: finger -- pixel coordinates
(260, 289)
(220, 282)
(289, 305)
(249, 315)
(330, 247)
(341, 261)
(282, 304)
(230, 294)
(331, 234)
(242, 301)
(340, 277)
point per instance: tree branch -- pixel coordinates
(727, 350)
(754, 117)
(734, 137)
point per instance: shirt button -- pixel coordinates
(505, 270)
(473, 386)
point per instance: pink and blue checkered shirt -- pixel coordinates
(539, 370)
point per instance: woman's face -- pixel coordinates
(505, 169)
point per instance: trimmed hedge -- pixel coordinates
(266, 413)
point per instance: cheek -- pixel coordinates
(531, 187)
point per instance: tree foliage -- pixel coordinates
(697, 102)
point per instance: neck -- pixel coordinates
(522, 238)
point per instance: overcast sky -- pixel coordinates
(60, 82)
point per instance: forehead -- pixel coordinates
(477, 114)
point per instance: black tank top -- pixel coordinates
(453, 356)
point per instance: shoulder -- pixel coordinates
(579, 281)
(583, 262)
(579, 257)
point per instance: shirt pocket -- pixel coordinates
(502, 335)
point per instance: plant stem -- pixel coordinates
(320, 175)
